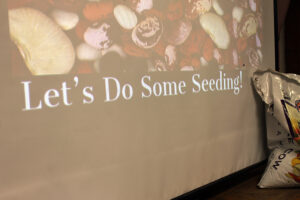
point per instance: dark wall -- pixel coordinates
(292, 38)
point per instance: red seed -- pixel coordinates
(95, 11)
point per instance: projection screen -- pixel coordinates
(129, 99)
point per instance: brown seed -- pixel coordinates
(178, 31)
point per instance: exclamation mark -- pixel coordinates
(241, 79)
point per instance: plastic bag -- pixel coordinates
(281, 94)
(283, 169)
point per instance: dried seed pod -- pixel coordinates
(249, 26)
(194, 8)
(215, 27)
(66, 20)
(148, 32)
(125, 17)
(178, 31)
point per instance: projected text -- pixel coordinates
(114, 90)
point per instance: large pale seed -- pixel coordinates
(45, 48)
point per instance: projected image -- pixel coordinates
(86, 36)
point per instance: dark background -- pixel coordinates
(292, 37)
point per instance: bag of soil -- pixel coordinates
(283, 169)
(281, 94)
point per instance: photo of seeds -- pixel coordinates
(51, 37)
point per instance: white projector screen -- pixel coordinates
(129, 99)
